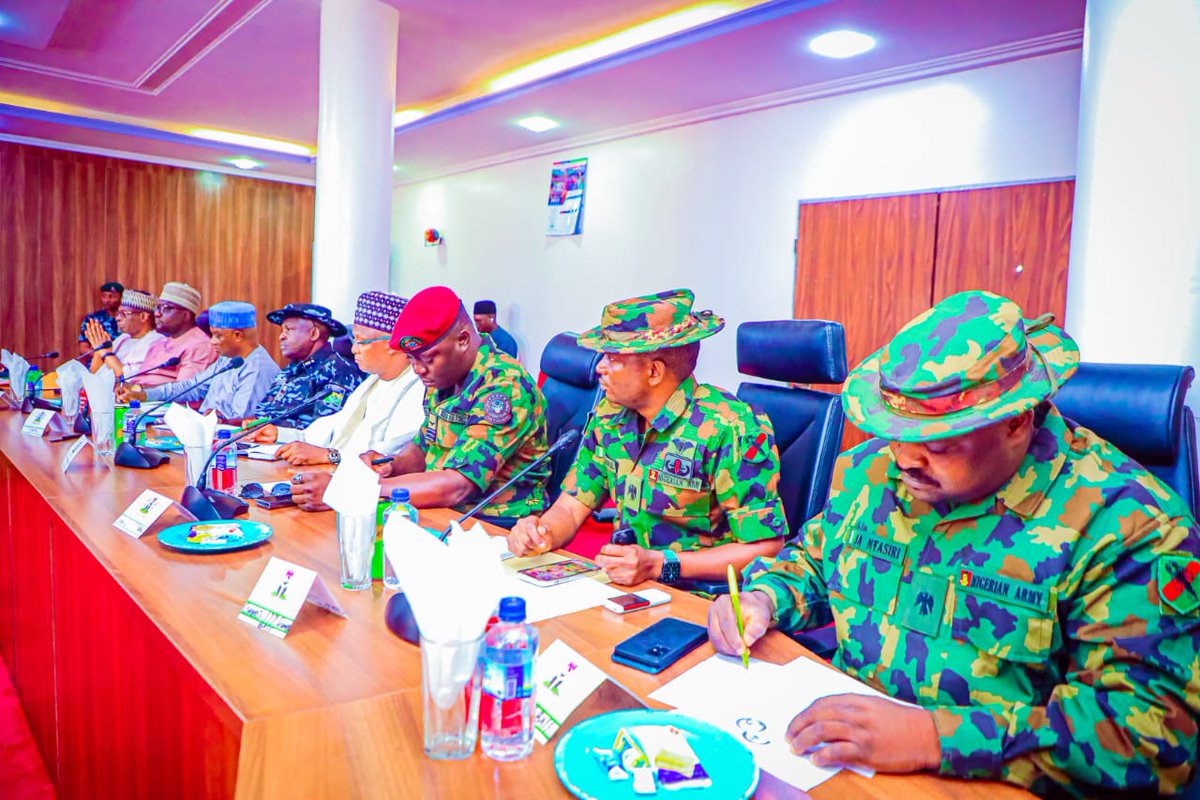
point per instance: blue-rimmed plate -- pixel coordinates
(728, 763)
(215, 536)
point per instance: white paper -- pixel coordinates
(142, 512)
(189, 427)
(36, 422)
(72, 451)
(17, 369)
(264, 452)
(564, 679)
(70, 381)
(354, 489)
(280, 593)
(99, 388)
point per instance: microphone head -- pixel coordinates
(236, 362)
(51, 354)
(567, 438)
(173, 361)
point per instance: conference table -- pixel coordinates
(139, 681)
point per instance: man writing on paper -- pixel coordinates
(383, 413)
(304, 331)
(232, 394)
(692, 469)
(175, 318)
(1025, 583)
(127, 353)
(485, 417)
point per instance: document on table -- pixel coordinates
(545, 602)
(264, 452)
(756, 706)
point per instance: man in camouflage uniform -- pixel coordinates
(304, 334)
(485, 416)
(692, 469)
(1027, 586)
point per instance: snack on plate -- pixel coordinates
(665, 749)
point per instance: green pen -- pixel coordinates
(247, 425)
(737, 611)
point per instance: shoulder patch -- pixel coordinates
(1179, 581)
(497, 408)
(757, 450)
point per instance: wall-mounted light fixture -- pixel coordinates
(433, 237)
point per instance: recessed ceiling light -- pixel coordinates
(243, 162)
(245, 140)
(841, 44)
(537, 124)
(406, 116)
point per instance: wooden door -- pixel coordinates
(867, 264)
(1011, 240)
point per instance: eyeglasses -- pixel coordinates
(373, 339)
(165, 308)
(252, 491)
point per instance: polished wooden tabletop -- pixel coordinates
(334, 709)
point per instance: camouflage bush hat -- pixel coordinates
(651, 322)
(968, 362)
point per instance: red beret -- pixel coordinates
(426, 319)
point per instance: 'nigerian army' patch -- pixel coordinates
(497, 408)
(1179, 581)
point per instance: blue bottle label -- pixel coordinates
(508, 681)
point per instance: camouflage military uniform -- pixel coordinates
(490, 430)
(1051, 628)
(301, 379)
(705, 475)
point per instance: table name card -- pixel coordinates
(564, 679)
(142, 513)
(36, 422)
(72, 451)
(281, 591)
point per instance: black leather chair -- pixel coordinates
(808, 422)
(571, 388)
(341, 345)
(1140, 409)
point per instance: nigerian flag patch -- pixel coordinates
(1179, 581)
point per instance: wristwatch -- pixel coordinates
(670, 567)
(335, 457)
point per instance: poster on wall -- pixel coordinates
(567, 182)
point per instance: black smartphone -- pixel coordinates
(661, 645)
(274, 501)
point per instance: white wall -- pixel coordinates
(713, 206)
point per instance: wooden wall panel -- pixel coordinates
(69, 222)
(1012, 240)
(867, 264)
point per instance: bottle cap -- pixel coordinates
(512, 609)
(135, 404)
(400, 495)
(222, 434)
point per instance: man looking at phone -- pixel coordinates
(1028, 588)
(692, 469)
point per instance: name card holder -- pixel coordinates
(58, 429)
(151, 512)
(36, 423)
(282, 590)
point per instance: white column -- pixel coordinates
(1133, 288)
(355, 137)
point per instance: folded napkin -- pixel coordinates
(353, 490)
(99, 388)
(70, 381)
(17, 368)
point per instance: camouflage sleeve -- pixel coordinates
(587, 481)
(1126, 715)
(498, 422)
(746, 481)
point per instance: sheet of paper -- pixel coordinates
(546, 602)
(564, 679)
(280, 593)
(264, 452)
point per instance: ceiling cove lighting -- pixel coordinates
(406, 117)
(841, 44)
(246, 140)
(243, 162)
(618, 42)
(537, 124)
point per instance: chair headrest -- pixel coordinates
(564, 360)
(1137, 407)
(342, 346)
(793, 350)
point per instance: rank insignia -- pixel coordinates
(1178, 583)
(757, 450)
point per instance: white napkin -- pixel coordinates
(70, 381)
(99, 388)
(191, 428)
(17, 368)
(354, 489)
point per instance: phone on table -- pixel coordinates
(660, 645)
(558, 572)
(647, 598)
(274, 501)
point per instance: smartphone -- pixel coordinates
(558, 572)
(647, 598)
(274, 501)
(660, 645)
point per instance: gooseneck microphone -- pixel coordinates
(51, 354)
(205, 504)
(173, 361)
(567, 439)
(131, 455)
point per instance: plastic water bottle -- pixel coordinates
(223, 475)
(399, 504)
(131, 421)
(507, 700)
(33, 380)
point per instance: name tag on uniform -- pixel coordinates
(453, 417)
(877, 545)
(1004, 590)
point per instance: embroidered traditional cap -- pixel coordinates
(968, 362)
(310, 311)
(484, 307)
(651, 322)
(181, 295)
(111, 286)
(378, 310)
(139, 301)
(426, 319)
(232, 315)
